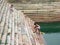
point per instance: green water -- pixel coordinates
(52, 38)
(52, 32)
(50, 27)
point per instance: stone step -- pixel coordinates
(1, 5)
(2, 24)
(1, 1)
(2, 11)
(3, 40)
(15, 28)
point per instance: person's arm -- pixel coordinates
(38, 27)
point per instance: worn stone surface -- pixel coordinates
(16, 28)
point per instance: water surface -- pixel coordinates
(52, 38)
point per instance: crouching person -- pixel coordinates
(37, 28)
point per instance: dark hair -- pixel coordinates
(35, 23)
(11, 5)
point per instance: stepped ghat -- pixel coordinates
(42, 12)
(16, 28)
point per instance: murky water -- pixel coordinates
(52, 38)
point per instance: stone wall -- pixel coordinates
(32, 1)
(44, 18)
